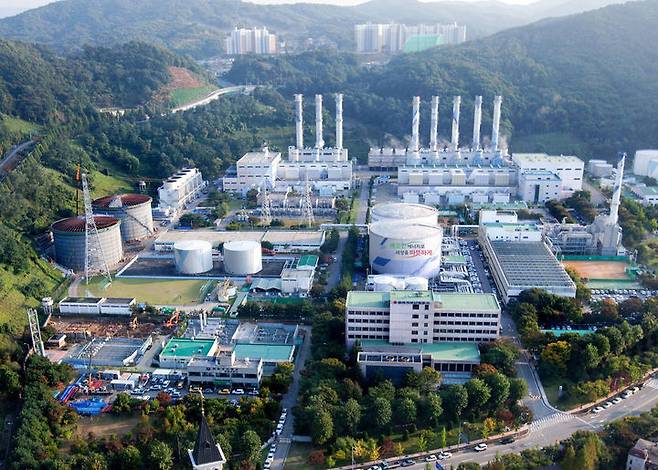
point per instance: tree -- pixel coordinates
(250, 445)
(426, 381)
(160, 456)
(478, 396)
(381, 412)
(10, 383)
(130, 458)
(518, 389)
(554, 359)
(322, 426)
(443, 437)
(502, 355)
(499, 386)
(430, 408)
(122, 404)
(488, 427)
(349, 416)
(405, 411)
(455, 400)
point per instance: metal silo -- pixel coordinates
(405, 248)
(193, 256)
(243, 257)
(69, 237)
(403, 212)
(134, 211)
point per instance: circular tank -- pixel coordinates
(133, 210)
(405, 249)
(242, 257)
(404, 212)
(193, 256)
(69, 238)
(416, 283)
(383, 283)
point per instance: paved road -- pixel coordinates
(215, 95)
(598, 199)
(284, 441)
(12, 159)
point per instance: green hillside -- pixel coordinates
(589, 76)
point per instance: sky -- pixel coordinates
(13, 7)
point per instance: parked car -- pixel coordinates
(480, 447)
(616, 400)
(444, 455)
(430, 458)
(507, 440)
(598, 409)
(408, 463)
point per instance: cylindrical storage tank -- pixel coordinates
(416, 283)
(193, 256)
(69, 238)
(383, 283)
(243, 257)
(402, 212)
(405, 248)
(133, 210)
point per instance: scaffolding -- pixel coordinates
(93, 247)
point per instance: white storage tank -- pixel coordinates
(243, 257)
(383, 283)
(133, 210)
(405, 248)
(403, 212)
(193, 256)
(416, 283)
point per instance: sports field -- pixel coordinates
(152, 291)
(599, 269)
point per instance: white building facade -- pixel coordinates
(179, 190)
(251, 41)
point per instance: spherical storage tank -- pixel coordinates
(404, 212)
(405, 249)
(193, 256)
(133, 210)
(243, 257)
(69, 237)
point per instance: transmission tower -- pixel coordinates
(94, 255)
(307, 206)
(266, 205)
(35, 332)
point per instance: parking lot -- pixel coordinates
(177, 389)
(478, 273)
(619, 295)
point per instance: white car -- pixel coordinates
(616, 400)
(627, 394)
(607, 404)
(480, 447)
(598, 409)
(444, 455)
(430, 458)
(238, 391)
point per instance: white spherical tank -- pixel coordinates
(243, 257)
(404, 212)
(193, 256)
(416, 283)
(405, 249)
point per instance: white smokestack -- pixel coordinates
(339, 121)
(616, 195)
(456, 106)
(495, 131)
(477, 122)
(415, 125)
(299, 121)
(319, 141)
(434, 124)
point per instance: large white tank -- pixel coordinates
(416, 283)
(383, 283)
(243, 257)
(193, 256)
(404, 212)
(405, 248)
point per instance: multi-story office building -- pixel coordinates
(251, 41)
(408, 317)
(225, 369)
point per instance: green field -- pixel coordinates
(17, 126)
(104, 184)
(152, 291)
(183, 96)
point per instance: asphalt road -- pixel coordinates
(12, 159)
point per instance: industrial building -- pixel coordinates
(179, 190)
(647, 195)
(600, 168)
(178, 352)
(645, 163)
(408, 317)
(455, 361)
(481, 172)
(225, 370)
(133, 210)
(371, 38)
(326, 169)
(70, 242)
(250, 41)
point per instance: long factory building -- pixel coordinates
(480, 172)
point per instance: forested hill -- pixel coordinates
(40, 86)
(197, 27)
(589, 78)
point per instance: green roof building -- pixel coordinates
(178, 351)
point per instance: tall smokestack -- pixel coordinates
(299, 121)
(434, 126)
(339, 121)
(495, 131)
(477, 122)
(456, 106)
(319, 141)
(415, 125)
(616, 195)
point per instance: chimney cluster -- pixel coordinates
(456, 110)
(319, 140)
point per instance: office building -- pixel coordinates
(251, 41)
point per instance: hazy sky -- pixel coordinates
(13, 7)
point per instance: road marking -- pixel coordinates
(549, 420)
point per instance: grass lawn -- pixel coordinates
(105, 185)
(17, 126)
(552, 389)
(183, 96)
(152, 291)
(298, 457)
